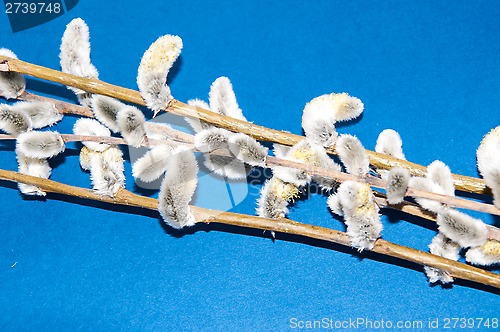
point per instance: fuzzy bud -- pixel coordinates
(274, 198)
(131, 123)
(247, 149)
(12, 84)
(40, 113)
(321, 114)
(360, 213)
(13, 121)
(397, 184)
(223, 100)
(75, 56)
(177, 190)
(441, 175)
(153, 164)
(34, 167)
(389, 142)
(487, 254)
(91, 127)
(106, 109)
(211, 139)
(353, 155)
(40, 144)
(153, 71)
(488, 162)
(444, 247)
(462, 228)
(427, 185)
(107, 171)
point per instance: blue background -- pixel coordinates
(428, 69)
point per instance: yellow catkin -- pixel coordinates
(365, 204)
(161, 53)
(491, 247)
(285, 190)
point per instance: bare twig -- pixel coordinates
(124, 197)
(381, 161)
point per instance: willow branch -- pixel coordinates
(381, 161)
(69, 108)
(312, 170)
(62, 106)
(124, 197)
(493, 233)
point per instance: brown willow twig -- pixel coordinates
(62, 106)
(493, 232)
(69, 108)
(124, 197)
(312, 170)
(381, 161)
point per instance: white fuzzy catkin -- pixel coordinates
(280, 150)
(40, 113)
(106, 109)
(389, 142)
(107, 171)
(13, 121)
(153, 71)
(40, 144)
(197, 124)
(75, 56)
(274, 198)
(488, 162)
(353, 155)
(153, 164)
(360, 213)
(444, 247)
(462, 228)
(222, 99)
(85, 156)
(177, 189)
(334, 204)
(302, 152)
(12, 84)
(131, 123)
(309, 153)
(229, 167)
(321, 114)
(216, 138)
(441, 175)
(33, 167)
(327, 183)
(91, 127)
(397, 184)
(487, 254)
(427, 185)
(211, 139)
(247, 149)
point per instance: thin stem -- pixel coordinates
(69, 108)
(62, 106)
(124, 197)
(312, 170)
(381, 161)
(378, 183)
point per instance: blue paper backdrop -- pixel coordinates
(428, 69)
